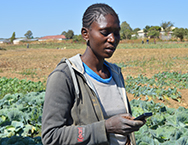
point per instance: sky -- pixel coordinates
(52, 17)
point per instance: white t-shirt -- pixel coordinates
(112, 104)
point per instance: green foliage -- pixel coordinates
(153, 46)
(156, 28)
(30, 72)
(153, 33)
(68, 45)
(11, 86)
(166, 126)
(125, 25)
(126, 34)
(63, 33)
(20, 115)
(13, 37)
(28, 34)
(179, 32)
(19, 140)
(78, 38)
(126, 31)
(136, 30)
(161, 85)
(69, 34)
(50, 45)
(167, 26)
(146, 29)
(20, 119)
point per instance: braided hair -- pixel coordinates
(94, 11)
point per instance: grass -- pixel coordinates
(68, 44)
(155, 64)
(153, 46)
(29, 72)
(65, 44)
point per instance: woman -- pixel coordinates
(85, 101)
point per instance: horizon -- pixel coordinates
(53, 17)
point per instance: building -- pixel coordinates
(53, 37)
(141, 34)
(17, 41)
(4, 41)
(163, 35)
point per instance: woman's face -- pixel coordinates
(104, 36)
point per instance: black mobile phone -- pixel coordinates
(144, 116)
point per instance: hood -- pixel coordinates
(77, 64)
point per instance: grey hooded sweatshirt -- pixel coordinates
(72, 113)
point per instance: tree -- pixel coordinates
(78, 38)
(13, 37)
(154, 31)
(167, 26)
(186, 31)
(28, 34)
(126, 30)
(146, 29)
(69, 34)
(179, 32)
(156, 28)
(126, 34)
(63, 33)
(136, 30)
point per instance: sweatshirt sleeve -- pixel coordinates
(56, 126)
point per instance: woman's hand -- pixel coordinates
(123, 124)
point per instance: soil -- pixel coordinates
(37, 64)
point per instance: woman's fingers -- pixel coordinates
(123, 124)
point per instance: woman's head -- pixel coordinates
(93, 13)
(101, 30)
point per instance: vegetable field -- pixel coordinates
(156, 79)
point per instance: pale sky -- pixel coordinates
(47, 17)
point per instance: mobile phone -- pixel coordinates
(144, 116)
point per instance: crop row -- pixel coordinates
(166, 126)
(161, 85)
(149, 46)
(21, 111)
(68, 45)
(20, 115)
(20, 121)
(15, 85)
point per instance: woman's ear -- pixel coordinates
(85, 33)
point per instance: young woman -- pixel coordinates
(85, 101)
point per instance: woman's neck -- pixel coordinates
(95, 63)
(92, 61)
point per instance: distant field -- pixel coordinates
(39, 60)
(68, 44)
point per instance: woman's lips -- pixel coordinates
(110, 50)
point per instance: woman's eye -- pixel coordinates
(104, 33)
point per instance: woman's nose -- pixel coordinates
(111, 38)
